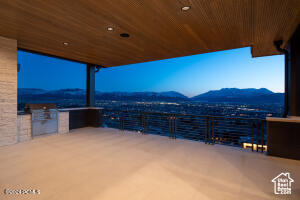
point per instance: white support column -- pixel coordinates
(8, 91)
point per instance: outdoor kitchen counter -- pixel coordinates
(84, 116)
(72, 118)
(24, 125)
(288, 119)
(283, 137)
(66, 110)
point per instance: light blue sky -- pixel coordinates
(190, 75)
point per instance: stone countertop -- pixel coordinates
(81, 108)
(65, 110)
(23, 113)
(288, 119)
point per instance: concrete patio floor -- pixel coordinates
(108, 164)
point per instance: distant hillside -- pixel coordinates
(141, 96)
(28, 94)
(224, 95)
(250, 95)
(30, 91)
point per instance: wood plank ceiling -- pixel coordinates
(158, 29)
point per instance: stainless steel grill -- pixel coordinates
(44, 118)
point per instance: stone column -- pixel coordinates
(8, 91)
(63, 123)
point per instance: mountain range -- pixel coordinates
(249, 95)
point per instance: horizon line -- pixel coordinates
(151, 91)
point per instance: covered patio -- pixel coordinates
(104, 163)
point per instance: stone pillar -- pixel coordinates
(8, 91)
(63, 123)
(24, 128)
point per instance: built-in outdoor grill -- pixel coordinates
(44, 118)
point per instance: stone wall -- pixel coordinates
(24, 128)
(63, 123)
(14, 128)
(8, 91)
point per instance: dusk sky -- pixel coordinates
(190, 75)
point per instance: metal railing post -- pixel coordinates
(123, 119)
(145, 122)
(213, 130)
(206, 129)
(209, 130)
(257, 133)
(262, 136)
(175, 125)
(120, 120)
(252, 122)
(169, 117)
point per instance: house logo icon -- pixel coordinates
(283, 184)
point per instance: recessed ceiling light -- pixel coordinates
(66, 43)
(124, 35)
(110, 28)
(185, 8)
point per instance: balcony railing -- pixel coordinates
(240, 132)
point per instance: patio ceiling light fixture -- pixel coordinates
(125, 35)
(66, 43)
(185, 8)
(110, 28)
